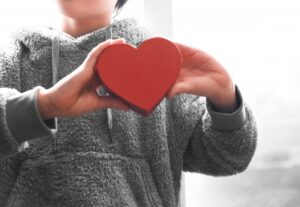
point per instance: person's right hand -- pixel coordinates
(76, 93)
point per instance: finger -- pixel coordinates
(180, 87)
(119, 41)
(86, 72)
(187, 51)
(111, 102)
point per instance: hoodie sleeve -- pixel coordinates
(214, 143)
(20, 119)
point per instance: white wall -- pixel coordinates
(159, 17)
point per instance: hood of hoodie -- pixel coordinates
(40, 40)
(37, 42)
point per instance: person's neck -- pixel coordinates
(77, 28)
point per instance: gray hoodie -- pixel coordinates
(106, 157)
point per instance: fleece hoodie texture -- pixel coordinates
(137, 161)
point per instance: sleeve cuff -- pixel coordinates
(228, 121)
(24, 119)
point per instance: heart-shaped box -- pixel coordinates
(141, 76)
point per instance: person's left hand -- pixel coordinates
(202, 75)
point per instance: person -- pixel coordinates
(65, 142)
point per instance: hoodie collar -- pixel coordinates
(36, 38)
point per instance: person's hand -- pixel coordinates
(202, 75)
(76, 93)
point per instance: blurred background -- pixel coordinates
(258, 43)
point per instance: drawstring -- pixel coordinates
(109, 35)
(55, 64)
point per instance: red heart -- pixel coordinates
(140, 76)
